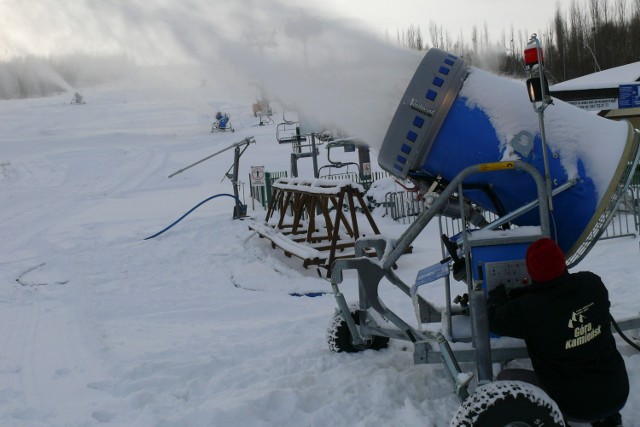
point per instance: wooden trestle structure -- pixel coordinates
(307, 219)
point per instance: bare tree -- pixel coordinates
(474, 37)
(435, 33)
(591, 35)
(485, 35)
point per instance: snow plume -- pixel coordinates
(34, 76)
(337, 77)
(487, 57)
(29, 76)
(329, 69)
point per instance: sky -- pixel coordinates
(456, 16)
(170, 29)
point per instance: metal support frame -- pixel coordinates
(430, 347)
(412, 232)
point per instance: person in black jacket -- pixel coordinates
(565, 322)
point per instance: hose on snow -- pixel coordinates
(191, 210)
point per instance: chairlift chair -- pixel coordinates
(347, 146)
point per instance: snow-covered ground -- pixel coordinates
(196, 327)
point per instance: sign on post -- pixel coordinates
(257, 175)
(366, 169)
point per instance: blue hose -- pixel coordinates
(191, 210)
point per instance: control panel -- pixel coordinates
(511, 274)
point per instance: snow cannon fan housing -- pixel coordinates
(452, 116)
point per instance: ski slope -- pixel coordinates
(196, 327)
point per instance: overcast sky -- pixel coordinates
(169, 27)
(454, 15)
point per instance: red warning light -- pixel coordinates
(531, 55)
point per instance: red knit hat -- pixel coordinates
(545, 260)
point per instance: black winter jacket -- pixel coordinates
(566, 326)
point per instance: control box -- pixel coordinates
(498, 257)
(511, 274)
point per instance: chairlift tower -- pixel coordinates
(289, 132)
(262, 40)
(302, 29)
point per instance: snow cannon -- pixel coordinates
(453, 116)
(475, 143)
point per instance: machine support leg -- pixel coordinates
(462, 383)
(344, 308)
(482, 344)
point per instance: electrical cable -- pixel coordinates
(624, 337)
(191, 210)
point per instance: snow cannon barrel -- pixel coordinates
(453, 116)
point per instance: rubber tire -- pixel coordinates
(339, 336)
(508, 404)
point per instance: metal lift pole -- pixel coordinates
(314, 156)
(239, 210)
(544, 103)
(247, 141)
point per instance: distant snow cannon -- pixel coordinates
(453, 116)
(78, 99)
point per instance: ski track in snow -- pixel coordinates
(195, 327)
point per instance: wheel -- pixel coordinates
(339, 336)
(508, 404)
